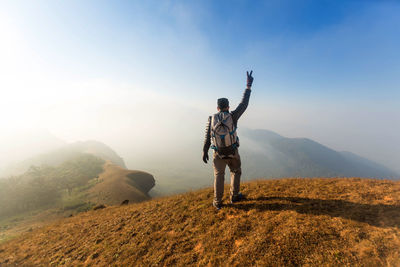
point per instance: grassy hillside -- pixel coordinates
(47, 193)
(117, 184)
(43, 187)
(284, 222)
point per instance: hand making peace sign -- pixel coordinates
(249, 79)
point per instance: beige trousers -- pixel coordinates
(219, 165)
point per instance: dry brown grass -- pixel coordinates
(287, 222)
(115, 186)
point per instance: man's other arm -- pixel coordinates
(207, 140)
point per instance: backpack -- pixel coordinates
(223, 135)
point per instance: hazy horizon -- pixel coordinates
(143, 77)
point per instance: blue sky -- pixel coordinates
(327, 70)
(299, 48)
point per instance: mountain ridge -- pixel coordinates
(303, 157)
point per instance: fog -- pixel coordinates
(148, 95)
(142, 125)
(164, 135)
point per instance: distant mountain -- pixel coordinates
(265, 155)
(268, 154)
(98, 149)
(62, 154)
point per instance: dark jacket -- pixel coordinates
(235, 116)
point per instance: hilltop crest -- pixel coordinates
(285, 222)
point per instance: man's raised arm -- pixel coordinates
(245, 99)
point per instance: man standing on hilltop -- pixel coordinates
(221, 136)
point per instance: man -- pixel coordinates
(221, 136)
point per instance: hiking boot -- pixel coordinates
(237, 198)
(217, 206)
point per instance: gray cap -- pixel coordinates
(223, 103)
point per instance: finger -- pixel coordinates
(247, 73)
(251, 72)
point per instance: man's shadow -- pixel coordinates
(377, 215)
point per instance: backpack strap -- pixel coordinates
(233, 131)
